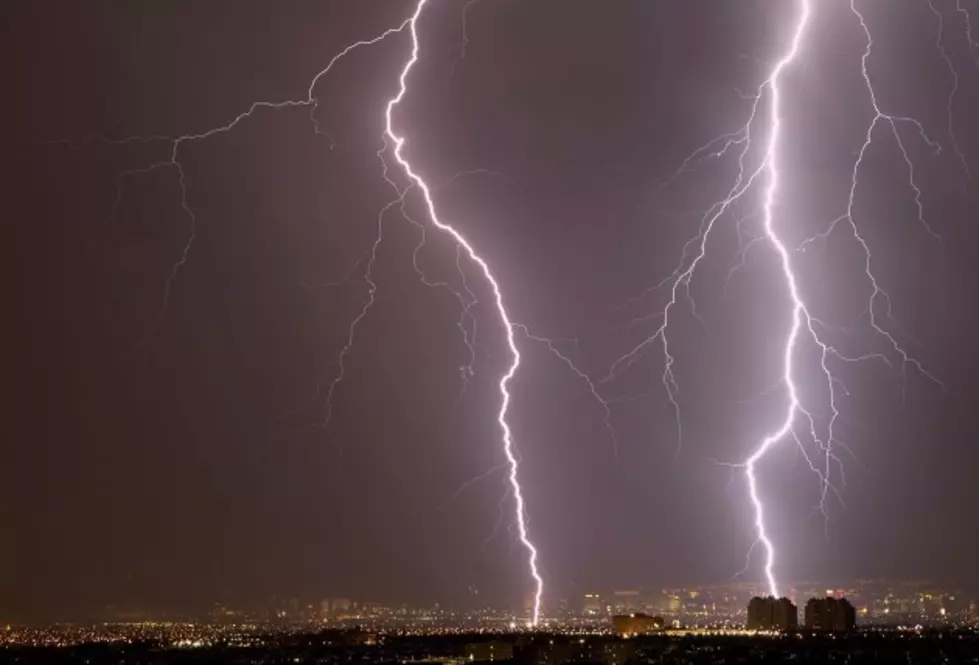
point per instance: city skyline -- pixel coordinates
(877, 602)
(380, 305)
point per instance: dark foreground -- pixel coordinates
(331, 648)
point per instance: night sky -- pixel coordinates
(167, 462)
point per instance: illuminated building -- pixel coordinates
(629, 625)
(830, 614)
(771, 613)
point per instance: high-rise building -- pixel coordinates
(830, 614)
(772, 613)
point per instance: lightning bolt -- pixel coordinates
(464, 38)
(364, 310)
(605, 404)
(394, 143)
(940, 45)
(398, 142)
(172, 161)
(803, 325)
(798, 307)
(972, 43)
(472, 481)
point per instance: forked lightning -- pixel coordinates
(804, 326)
(394, 143)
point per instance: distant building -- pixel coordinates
(830, 614)
(772, 613)
(629, 625)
